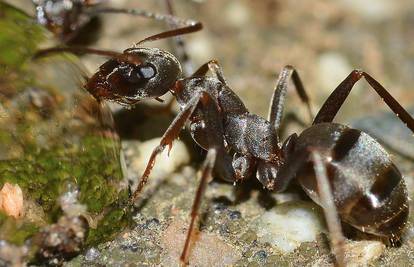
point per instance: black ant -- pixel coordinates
(344, 170)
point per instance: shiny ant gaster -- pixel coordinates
(344, 170)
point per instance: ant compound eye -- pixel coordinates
(138, 74)
(147, 71)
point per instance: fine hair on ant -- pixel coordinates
(344, 170)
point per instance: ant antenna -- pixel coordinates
(188, 26)
(131, 58)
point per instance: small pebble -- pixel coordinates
(288, 225)
(152, 223)
(92, 254)
(261, 256)
(219, 208)
(134, 247)
(165, 164)
(361, 253)
(234, 215)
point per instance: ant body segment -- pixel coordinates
(344, 170)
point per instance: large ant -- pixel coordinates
(344, 170)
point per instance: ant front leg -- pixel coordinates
(334, 102)
(167, 139)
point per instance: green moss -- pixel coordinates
(106, 228)
(58, 150)
(19, 37)
(43, 174)
(16, 231)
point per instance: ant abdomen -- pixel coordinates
(368, 189)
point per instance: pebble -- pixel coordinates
(151, 224)
(234, 215)
(92, 254)
(260, 256)
(288, 225)
(361, 253)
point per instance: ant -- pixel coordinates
(66, 19)
(344, 170)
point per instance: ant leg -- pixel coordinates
(334, 102)
(289, 118)
(167, 139)
(205, 178)
(180, 47)
(214, 138)
(243, 166)
(289, 170)
(217, 159)
(77, 50)
(279, 95)
(328, 205)
(212, 66)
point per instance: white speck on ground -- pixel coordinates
(287, 225)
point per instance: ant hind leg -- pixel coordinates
(328, 205)
(334, 102)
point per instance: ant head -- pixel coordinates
(137, 74)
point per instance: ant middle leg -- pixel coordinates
(206, 176)
(279, 95)
(334, 102)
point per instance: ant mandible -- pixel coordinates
(344, 170)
